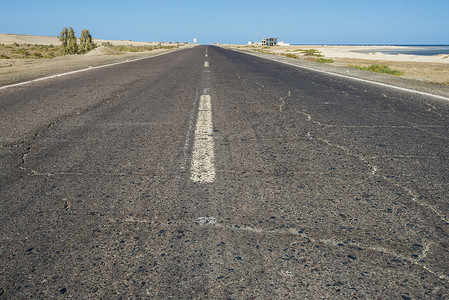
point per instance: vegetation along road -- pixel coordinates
(207, 173)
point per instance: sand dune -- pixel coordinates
(53, 40)
(28, 39)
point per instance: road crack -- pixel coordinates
(419, 261)
(374, 168)
(424, 129)
(30, 143)
(375, 172)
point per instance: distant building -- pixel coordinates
(269, 42)
(194, 40)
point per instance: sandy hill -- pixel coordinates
(6, 38)
(27, 39)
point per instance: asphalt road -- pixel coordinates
(224, 176)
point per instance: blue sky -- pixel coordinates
(236, 21)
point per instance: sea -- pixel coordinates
(424, 50)
(428, 50)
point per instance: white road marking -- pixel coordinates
(206, 64)
(82, 70)
(203, 165)
(206, 54)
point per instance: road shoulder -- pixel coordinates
(21, 70)
(403, 83)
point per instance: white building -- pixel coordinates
(270, 41)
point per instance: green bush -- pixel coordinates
(311, 52)
(28, 51)
(380, 69)
(290, 55)
(69, 42)
(132, 48)
(324, 60)
(21, 51)
(86, 43)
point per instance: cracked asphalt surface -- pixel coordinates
(325, 188)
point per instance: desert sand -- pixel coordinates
(351, 52)
(433, 69)
(53, 40)
(17, 70)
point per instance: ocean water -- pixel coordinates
(425, 50)
(428, 50)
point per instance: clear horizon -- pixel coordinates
(377, 22)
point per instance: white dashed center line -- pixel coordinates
(203, 166)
